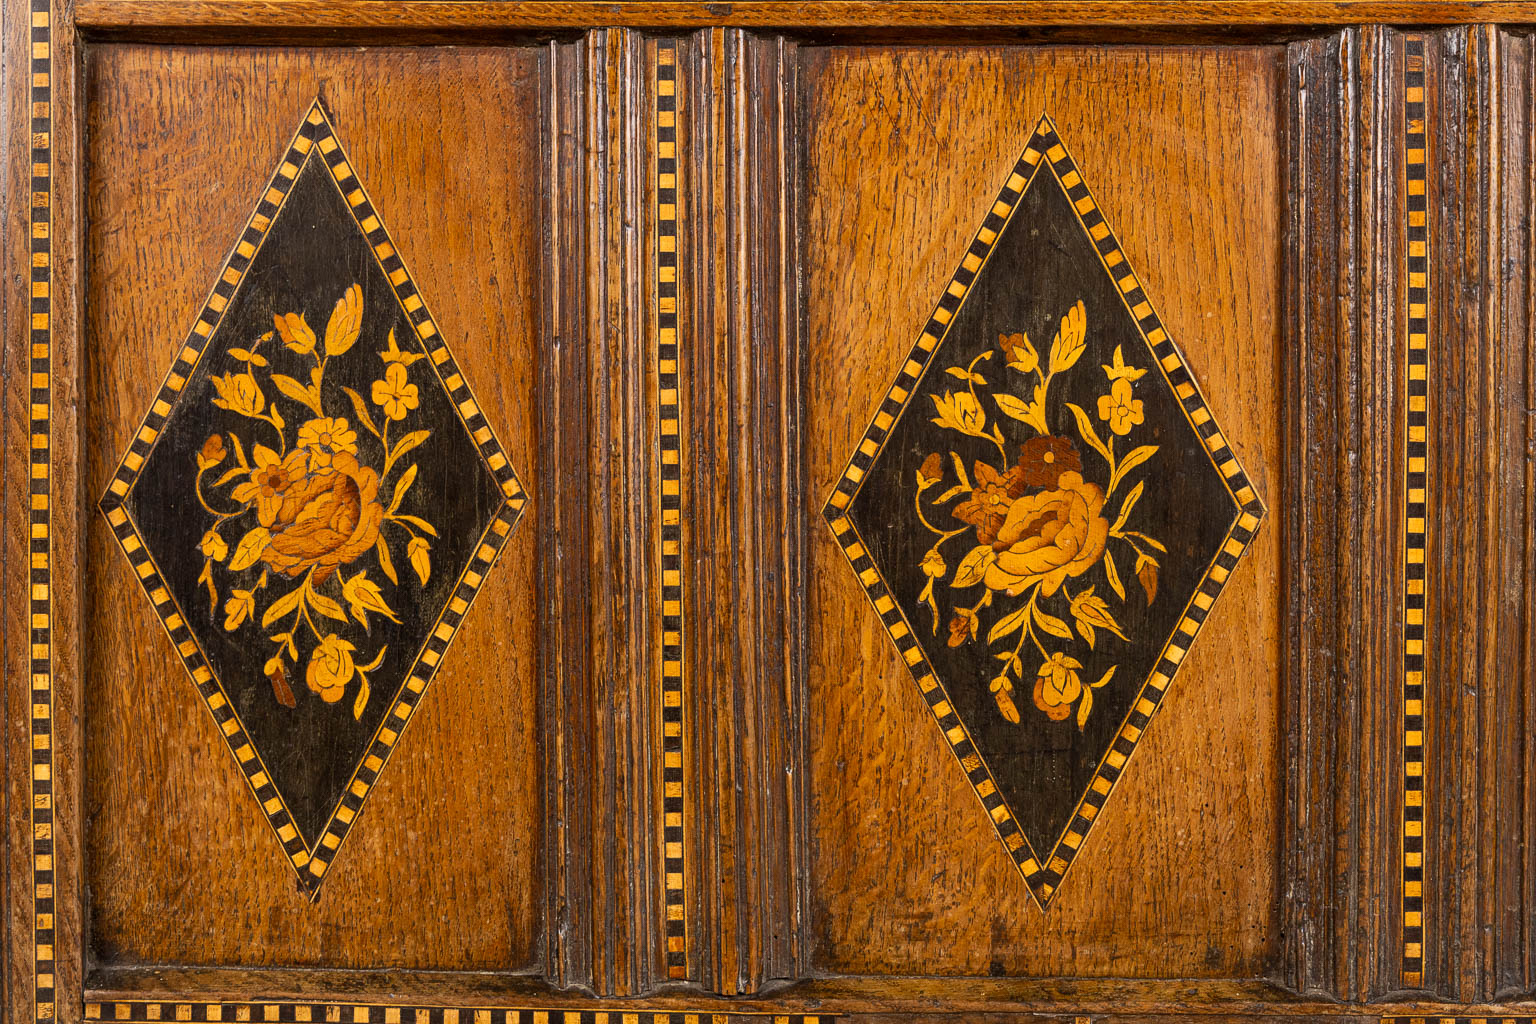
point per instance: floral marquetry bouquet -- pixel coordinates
(297, 502)
(1033, 522)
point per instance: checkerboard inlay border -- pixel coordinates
(40, 542)
(375, 1013)
(1415, 535)
(1046, 150)
(315, 138)
(669, 505)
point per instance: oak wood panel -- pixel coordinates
(904, 148)
(182, 868)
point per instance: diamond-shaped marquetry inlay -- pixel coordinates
(1043, 511)
(313, 499)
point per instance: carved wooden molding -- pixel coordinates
(599, 536)
(744, 542)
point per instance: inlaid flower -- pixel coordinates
(238, 393)
(270, 478)
(295, 332)
(963, 626)
(213, 546)
(1049, 537)
(330, 668)
(1120, 409)
(326, 519)
(212, 452)
(324, 438)
(1058, 686)
(1042, 460)
(959, 410)
(395, 393)
(988, 504)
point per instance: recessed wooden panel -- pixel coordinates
(1182, 148)
(259, 564)
(1004, 563)
(180, 144)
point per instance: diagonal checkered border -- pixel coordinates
(669, 505)
(1046, 150)
(40, 569)
(315, 139)
(1415, 539)
(375, 1013)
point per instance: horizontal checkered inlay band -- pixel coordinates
(360, 1013)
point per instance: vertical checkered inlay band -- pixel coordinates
(1416, 449)
(40, 246)
(669, 499)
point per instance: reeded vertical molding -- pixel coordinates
(1477, 900)
(743, 484)
(1342, 515)
(1513, 901)
(605, 927)
(1516, 928)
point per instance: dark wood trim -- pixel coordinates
(1477, 900)
(743, 482)
(1513, 975)
(779, 14)
(604, 924)
(1341, 516)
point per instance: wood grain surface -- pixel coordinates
(333, 14)
(181, 867)
(745, 506)
(1343, 537)
(904, 148)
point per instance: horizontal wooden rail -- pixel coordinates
(128, 15)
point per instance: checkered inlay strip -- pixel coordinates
(1416, 450)
(40, 246)
(364, 1013)
(669, 500)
